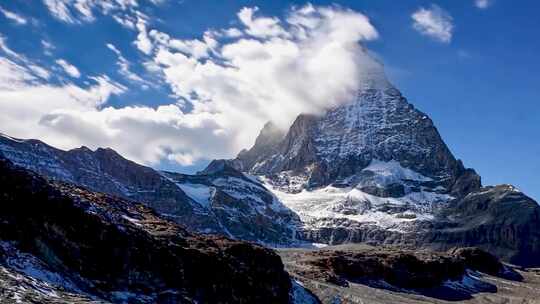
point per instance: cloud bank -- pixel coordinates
(228, 83)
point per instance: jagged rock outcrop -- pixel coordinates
(101, 170)
(57, 236)
(399, 267)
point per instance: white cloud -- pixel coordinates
(260, 26)
(227, 86)
(143, 42)
(70, 69)
(434, 22)
(25, 100)
(276, 75)
(13, 16)
(167, 132)
(232, 32)
(79, 11)
(8, 51)
(483, 4)
(47, 47)
(60, 10)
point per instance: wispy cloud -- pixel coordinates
(13, 16)
(124, 66)
(70, 69)
(47, 47)
(434, 22)
(483, 4)
(71, 11)
(260, 26)
(143, 42)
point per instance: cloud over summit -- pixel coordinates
(227, 83)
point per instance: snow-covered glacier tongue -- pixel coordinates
(397, 208)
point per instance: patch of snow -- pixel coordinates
(198, 192)
(136, 222)
(31, 275)
(470, 283)
(392, 171)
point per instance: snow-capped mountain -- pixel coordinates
(374, 162)
(378, 124)
(376, 170)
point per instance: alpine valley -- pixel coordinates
(370, 180)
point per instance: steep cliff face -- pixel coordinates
(67, 244)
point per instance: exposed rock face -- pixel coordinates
(398, 267)
(106, 248)
(223, 200)
(499, 219)
(102, 170)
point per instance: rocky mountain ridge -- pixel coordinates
(60, 243)
(219, 202)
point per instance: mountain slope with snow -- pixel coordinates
(222, 202)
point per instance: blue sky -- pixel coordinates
(476, 76)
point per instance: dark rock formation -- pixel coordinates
(500, 219)
(358, 273)
(402, 268)
(120, 251)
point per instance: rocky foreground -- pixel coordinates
(63, 244)
(381, 275)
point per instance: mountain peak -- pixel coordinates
(378, 123)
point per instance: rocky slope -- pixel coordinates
(222, 202)
(63, 244)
